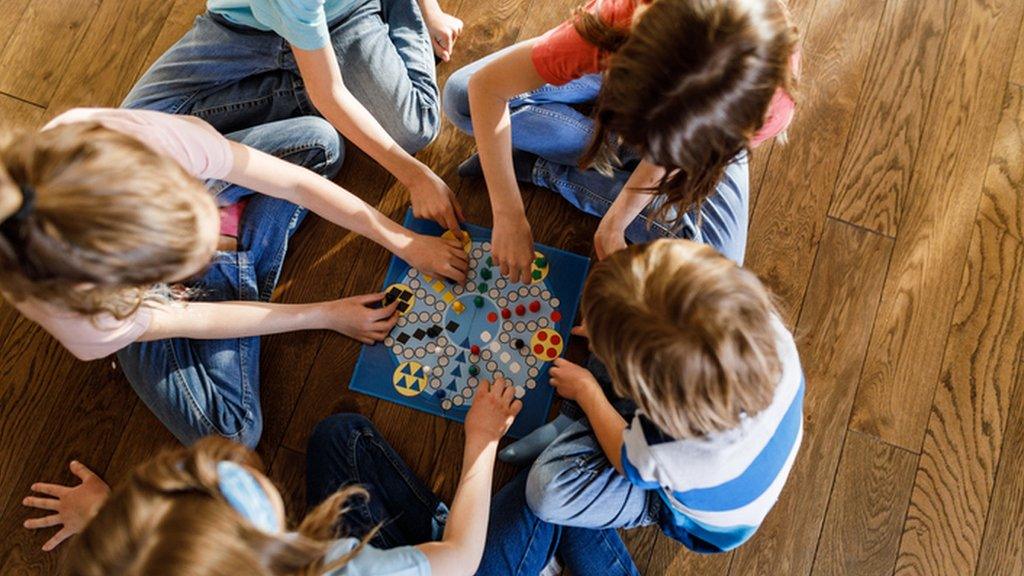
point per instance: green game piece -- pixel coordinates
(536, 274)
(485, 273)
(541, 262)
(479, 301)
(473, 370)
(482, 286)
(490, 262)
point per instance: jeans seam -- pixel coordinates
(538, 109)
(529, 544)
(618, 561)
(193, 404)
(242, 105)
(267, 290)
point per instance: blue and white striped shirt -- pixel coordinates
(718, 489)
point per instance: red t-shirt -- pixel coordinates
(562, 55)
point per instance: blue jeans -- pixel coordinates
(202, 387)
(521, 544)
(237, 77)
(545, 123)
(346, 449)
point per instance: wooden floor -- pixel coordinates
(891, 227)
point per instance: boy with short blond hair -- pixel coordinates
(695, 344)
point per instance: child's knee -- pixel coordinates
(418, 130)
(335, 429)
(248, 434)
(324, 142)
(456, 99)
(543, 495)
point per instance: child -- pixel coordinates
(209, 510)
(108, 230)
(693, 345)
(680, 90)
(364, 65)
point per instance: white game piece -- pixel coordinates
(494, 346)
(514, 368)
(520, 391)
(505, 357)
(485, 336)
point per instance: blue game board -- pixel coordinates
(449, 337)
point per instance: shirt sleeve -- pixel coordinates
(638, 463)
(87, 338)
(303, 23)
(195, 145)
(400, 561)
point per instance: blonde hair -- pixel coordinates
(685, 333)
(112, 220)
(169, 518)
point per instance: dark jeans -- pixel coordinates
(346, 449)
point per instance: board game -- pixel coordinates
(449, 337)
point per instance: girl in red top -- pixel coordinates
(638, 112)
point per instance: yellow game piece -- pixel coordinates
(458, 307)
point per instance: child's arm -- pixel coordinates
(72, 506)
(575, 382)
(490, 89)
(634, 197)
(444, 28)
(460, 550)
(431, 197)
(264, 173)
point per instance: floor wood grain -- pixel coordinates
(890, 226)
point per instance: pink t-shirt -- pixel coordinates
(200, 150)
(562, 55)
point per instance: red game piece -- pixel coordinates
(538, 349)
(542, 335)
(474, 350)
(506, 314)
(520, 310)
(551, 353)
(492, 317)
(556, 316)
(535, 306)
(555, 339)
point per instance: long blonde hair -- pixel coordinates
(686, 334)
(170, 518)
(112, 219)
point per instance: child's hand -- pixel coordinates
(74, 506)
(608, 239)
(443, 257)
(357, 318)
(512, 246)
(572, 381)
(493, 411)
(444, 31)
(432, 199)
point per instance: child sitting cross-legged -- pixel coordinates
(705, 416)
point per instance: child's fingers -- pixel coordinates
(369, 298)
(580, 331)
(457, 206)
(54, 490)
(59, 537)
(41, 503)
(516, 407)
(44, 522)
(80, 470)
(384, 313)
(508, 395)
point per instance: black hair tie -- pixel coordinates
(13, 230)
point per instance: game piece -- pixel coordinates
(450, 338)
(403, 294)
(467, 242)
(556, 316)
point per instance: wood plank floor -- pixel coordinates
(891, 226)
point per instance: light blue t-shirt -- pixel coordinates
(303, 23)
(400, 561)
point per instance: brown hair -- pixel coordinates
(685, 333)
(111, 219)
(169, 518)
(688, 85)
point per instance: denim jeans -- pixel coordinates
(521, 544)
(202, 387)
(237, 77)
(346, 449)
(546, 123)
